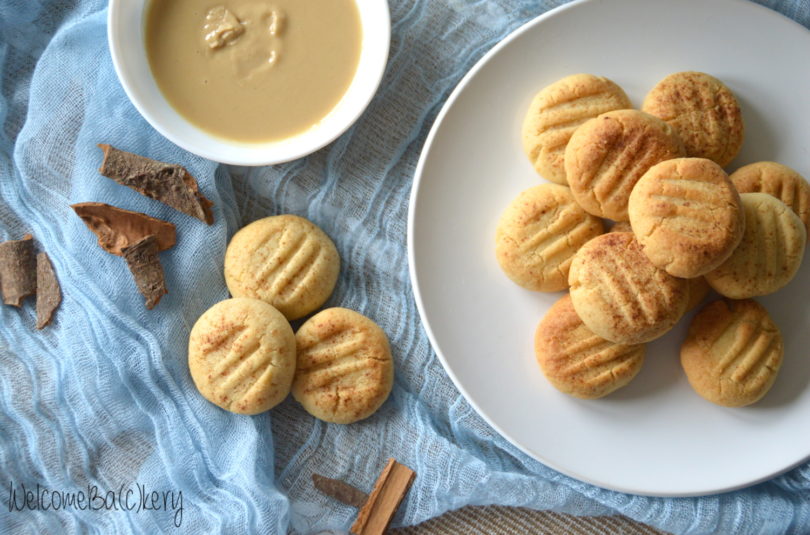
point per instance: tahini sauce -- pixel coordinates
(253, 70)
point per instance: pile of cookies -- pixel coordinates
(243, 355)
(681, 226)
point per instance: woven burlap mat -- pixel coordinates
(518, 521)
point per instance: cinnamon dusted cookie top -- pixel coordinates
(703, 111)
(769, 254)
(779, 181)
(608, 154)
(620, 295)
(284, 260)
(557, 110)
(732, 353)
(578, 362)
(687, 216)
(344, 367)
(538, 235)
(241, 355)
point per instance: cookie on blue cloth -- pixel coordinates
(344, 369)
(241, 355)
(284, 260)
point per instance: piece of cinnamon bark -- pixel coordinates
(340, 490)
(384, 499)
(135, 236)
(376, 510)
(169, 183)
(143, 261)
(117, 228)
(18, 270)
(49, 295)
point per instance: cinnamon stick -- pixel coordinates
(143, 261)
(135, 236)
(117, 228)
(18, 270)
(339, 490)
(168, 183)
(49, 295)
(389, 490)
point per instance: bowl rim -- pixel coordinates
(372, 63)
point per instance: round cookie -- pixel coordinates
(241, 355)
(769, 254)
(778, 180)
(687, 216)
(620, 295)
(284, 260)
(538, 234)
(344, 370)
(608, 154)
(578, 362)
(703, 111)
(732, 353)
(557, 110)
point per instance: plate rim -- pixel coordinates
(425, 153)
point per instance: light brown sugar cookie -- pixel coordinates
(284, 260)
(241, 355)
(732, 353)
(344, 371)
(778, 180)
(620, 295)
(769, 253)
(578, 362)
(557, 110)
(687, 216)
(608, 154)
(703, 111)
(538, 234)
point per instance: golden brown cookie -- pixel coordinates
(538, 234)
(284, 260)
(557, 110)
(769, 254)
(578, 362)
(607, 155)
(620, 295)
(687, 216)
(241, 355)
(732, 353)
(703, 111)
(345, 371)
(778, 180)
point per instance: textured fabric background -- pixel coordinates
(103, 399)
(499, 520)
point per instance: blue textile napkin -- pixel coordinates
(101, 428)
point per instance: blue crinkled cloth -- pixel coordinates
(101, 401)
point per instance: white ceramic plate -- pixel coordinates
(656, 436)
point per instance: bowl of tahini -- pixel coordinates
(250, 82)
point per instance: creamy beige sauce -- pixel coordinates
(253, 70)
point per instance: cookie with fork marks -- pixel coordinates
(241, 355)
(284, 260)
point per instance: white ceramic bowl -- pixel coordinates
(125, 33)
